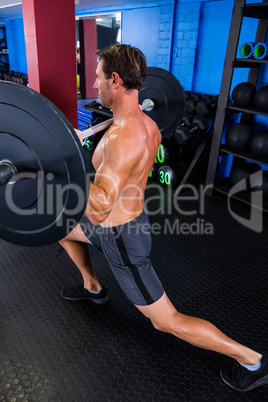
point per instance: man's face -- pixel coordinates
(102, 85)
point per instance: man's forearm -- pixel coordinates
(99, 204)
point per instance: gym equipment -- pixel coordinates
(14, 76)
(191, 106)
(246, 50)
(259, 143)
(196, 95)
(172, 173)
(193, 99)
(260, 51)
(183, 134)
(242, 170)
(43, 169)
(96, 106)
(161, 97)
(261, 183)
(207, 97)
(243, 94)
(187, 121)
(49, 172)
(153, 171)
(168, 151)
(187, 94)
(167, 99)
(95, 114)
(85, 118)
(238, 136)
(207, 108)
(261, 99)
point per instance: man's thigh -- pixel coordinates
(77, 234)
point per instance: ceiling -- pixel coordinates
(13, 8)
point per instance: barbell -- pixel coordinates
(44, 174)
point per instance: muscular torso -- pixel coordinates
(134, 144)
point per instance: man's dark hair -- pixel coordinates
(127, 61)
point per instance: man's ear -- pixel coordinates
(115, 79)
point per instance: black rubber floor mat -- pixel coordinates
(54, 350)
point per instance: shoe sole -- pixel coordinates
(261, 381)
(97, 301)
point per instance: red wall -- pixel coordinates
(88, 64)
(50, 38)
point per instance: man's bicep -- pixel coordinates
(112, 179)
(104, 193)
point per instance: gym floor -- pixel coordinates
(55, 350)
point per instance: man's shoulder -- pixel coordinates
(132, 129)
(142, 128)
(134, 134)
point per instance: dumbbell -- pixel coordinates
(192, 102)
(171, 174)
(187, 94)
(168, 151)
(206, 108)
(7, 77)
(187, 120)
(196, 95)
(207, 97)
(25, 79)
(183, 135)
(191, 106)
(153, 171)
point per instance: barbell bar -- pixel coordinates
(7, 172)
(44, 172)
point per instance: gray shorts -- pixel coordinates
(127, 249)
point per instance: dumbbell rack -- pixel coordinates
(4, 63)
(240, 10)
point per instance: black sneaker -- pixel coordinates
(80, 293)
(243, 380)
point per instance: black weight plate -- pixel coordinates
(51, 191)
(168, 96)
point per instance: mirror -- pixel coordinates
(93, 32)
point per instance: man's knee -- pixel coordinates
(157, 326)
(164, 324)
(176, 323)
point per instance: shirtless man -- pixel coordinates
(116, 223)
